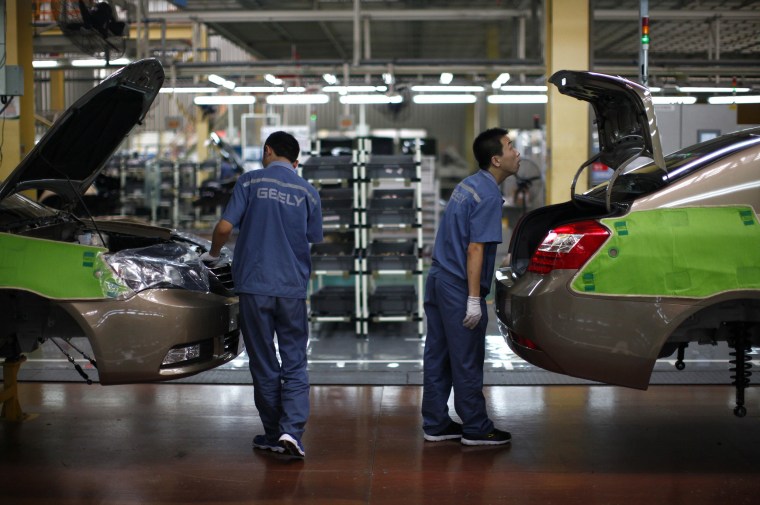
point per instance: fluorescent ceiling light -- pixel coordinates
(99, 62)
(330, 79)
(370, 99)
(44, 63)
(674, 100)
(432, 99)
(517, 98)
(446, 78)
(525, 88)
(708, 89)
(388, 78)
(655, 89)
(225, 100)
(316, 98)
(221, 81)
(295, 89)
(188, 90)
(353, 89)
(449, 89)
(259, 89)
(216, 79)
(274, 80)
(500, 80)
(734, 99)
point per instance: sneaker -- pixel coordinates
(291, 446)
(266, 444)
(450, 432)
(496, 437)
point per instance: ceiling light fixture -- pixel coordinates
(674, 100)
(370, 99)
(317, 98)
(225, 100)
(734, 99)
(44, 63)
(500, 80)
(388, 78)
(259, 89)
(99, 62)
(446, 78)
(274, 80)
(517, 98)
(330, 78)
(188, 90)
(354, 89)
(525, 88)
(709, 89)
(436, 99)
(448, 89)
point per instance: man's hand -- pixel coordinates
(209, 260)
(473, 314)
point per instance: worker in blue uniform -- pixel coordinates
(464, 256)
(278, 214)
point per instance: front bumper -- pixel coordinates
(131, 338)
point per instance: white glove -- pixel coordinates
(209, 260)
(473, 315)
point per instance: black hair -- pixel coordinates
(487, 145)
(284, 144)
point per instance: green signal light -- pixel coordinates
(313, 117)
(645, 39)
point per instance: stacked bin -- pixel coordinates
(336, 179)
(391, 238)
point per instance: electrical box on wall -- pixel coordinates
(11, 81)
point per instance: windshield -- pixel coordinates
(649, 177)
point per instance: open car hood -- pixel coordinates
(624, 114)
(74, 150)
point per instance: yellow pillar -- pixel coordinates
(201, 123)
(568, 28)
(18, 130)
(57, 95)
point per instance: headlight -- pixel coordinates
(162, 265)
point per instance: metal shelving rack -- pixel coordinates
(338, 174)
(397, 175)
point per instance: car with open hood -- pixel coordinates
(149, 308)
(662, 255)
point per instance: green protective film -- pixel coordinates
(57, 270)
(684, 252)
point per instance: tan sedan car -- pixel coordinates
(662, 255)
(150, 309)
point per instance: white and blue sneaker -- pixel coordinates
(291, 446)
(266, 444)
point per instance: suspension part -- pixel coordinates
(741, 365)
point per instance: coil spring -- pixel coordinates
(741, 364)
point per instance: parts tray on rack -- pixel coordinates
(333, 256)
(328, 167)
(392, 254)
(393, 300)
(334, 301)
(391, 167)
(337, 206)
(391, 206)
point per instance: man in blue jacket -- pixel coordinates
(278, 214)
(464, 255)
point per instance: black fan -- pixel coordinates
(93, 27)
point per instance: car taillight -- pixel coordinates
(568, 246)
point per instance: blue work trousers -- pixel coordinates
(280, 392)
(454, 357)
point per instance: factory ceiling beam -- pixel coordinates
(673, 15)
(249, 16)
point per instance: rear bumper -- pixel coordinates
(614, 340)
